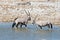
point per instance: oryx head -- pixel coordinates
(28, 15)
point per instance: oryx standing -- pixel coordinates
(22, 21)
(42, 23)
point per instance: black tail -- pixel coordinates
(13, 25)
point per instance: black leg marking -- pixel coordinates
(17, 25)
(40, 26)
(21, 25)
(48, 25)
(51, 26)
(25, 25)
(13, 25)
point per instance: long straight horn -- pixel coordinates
(25, 11)
(29, 13)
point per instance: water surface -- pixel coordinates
(32, 32)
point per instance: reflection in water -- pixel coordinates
(28, 33)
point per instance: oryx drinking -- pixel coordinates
(42, 23)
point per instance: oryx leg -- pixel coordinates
(51, 26)
(17, 24)
(13, 25)
(48, 25)
(23, 24)
(40, 26)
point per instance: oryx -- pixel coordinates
(42, 23)
(22, 21)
